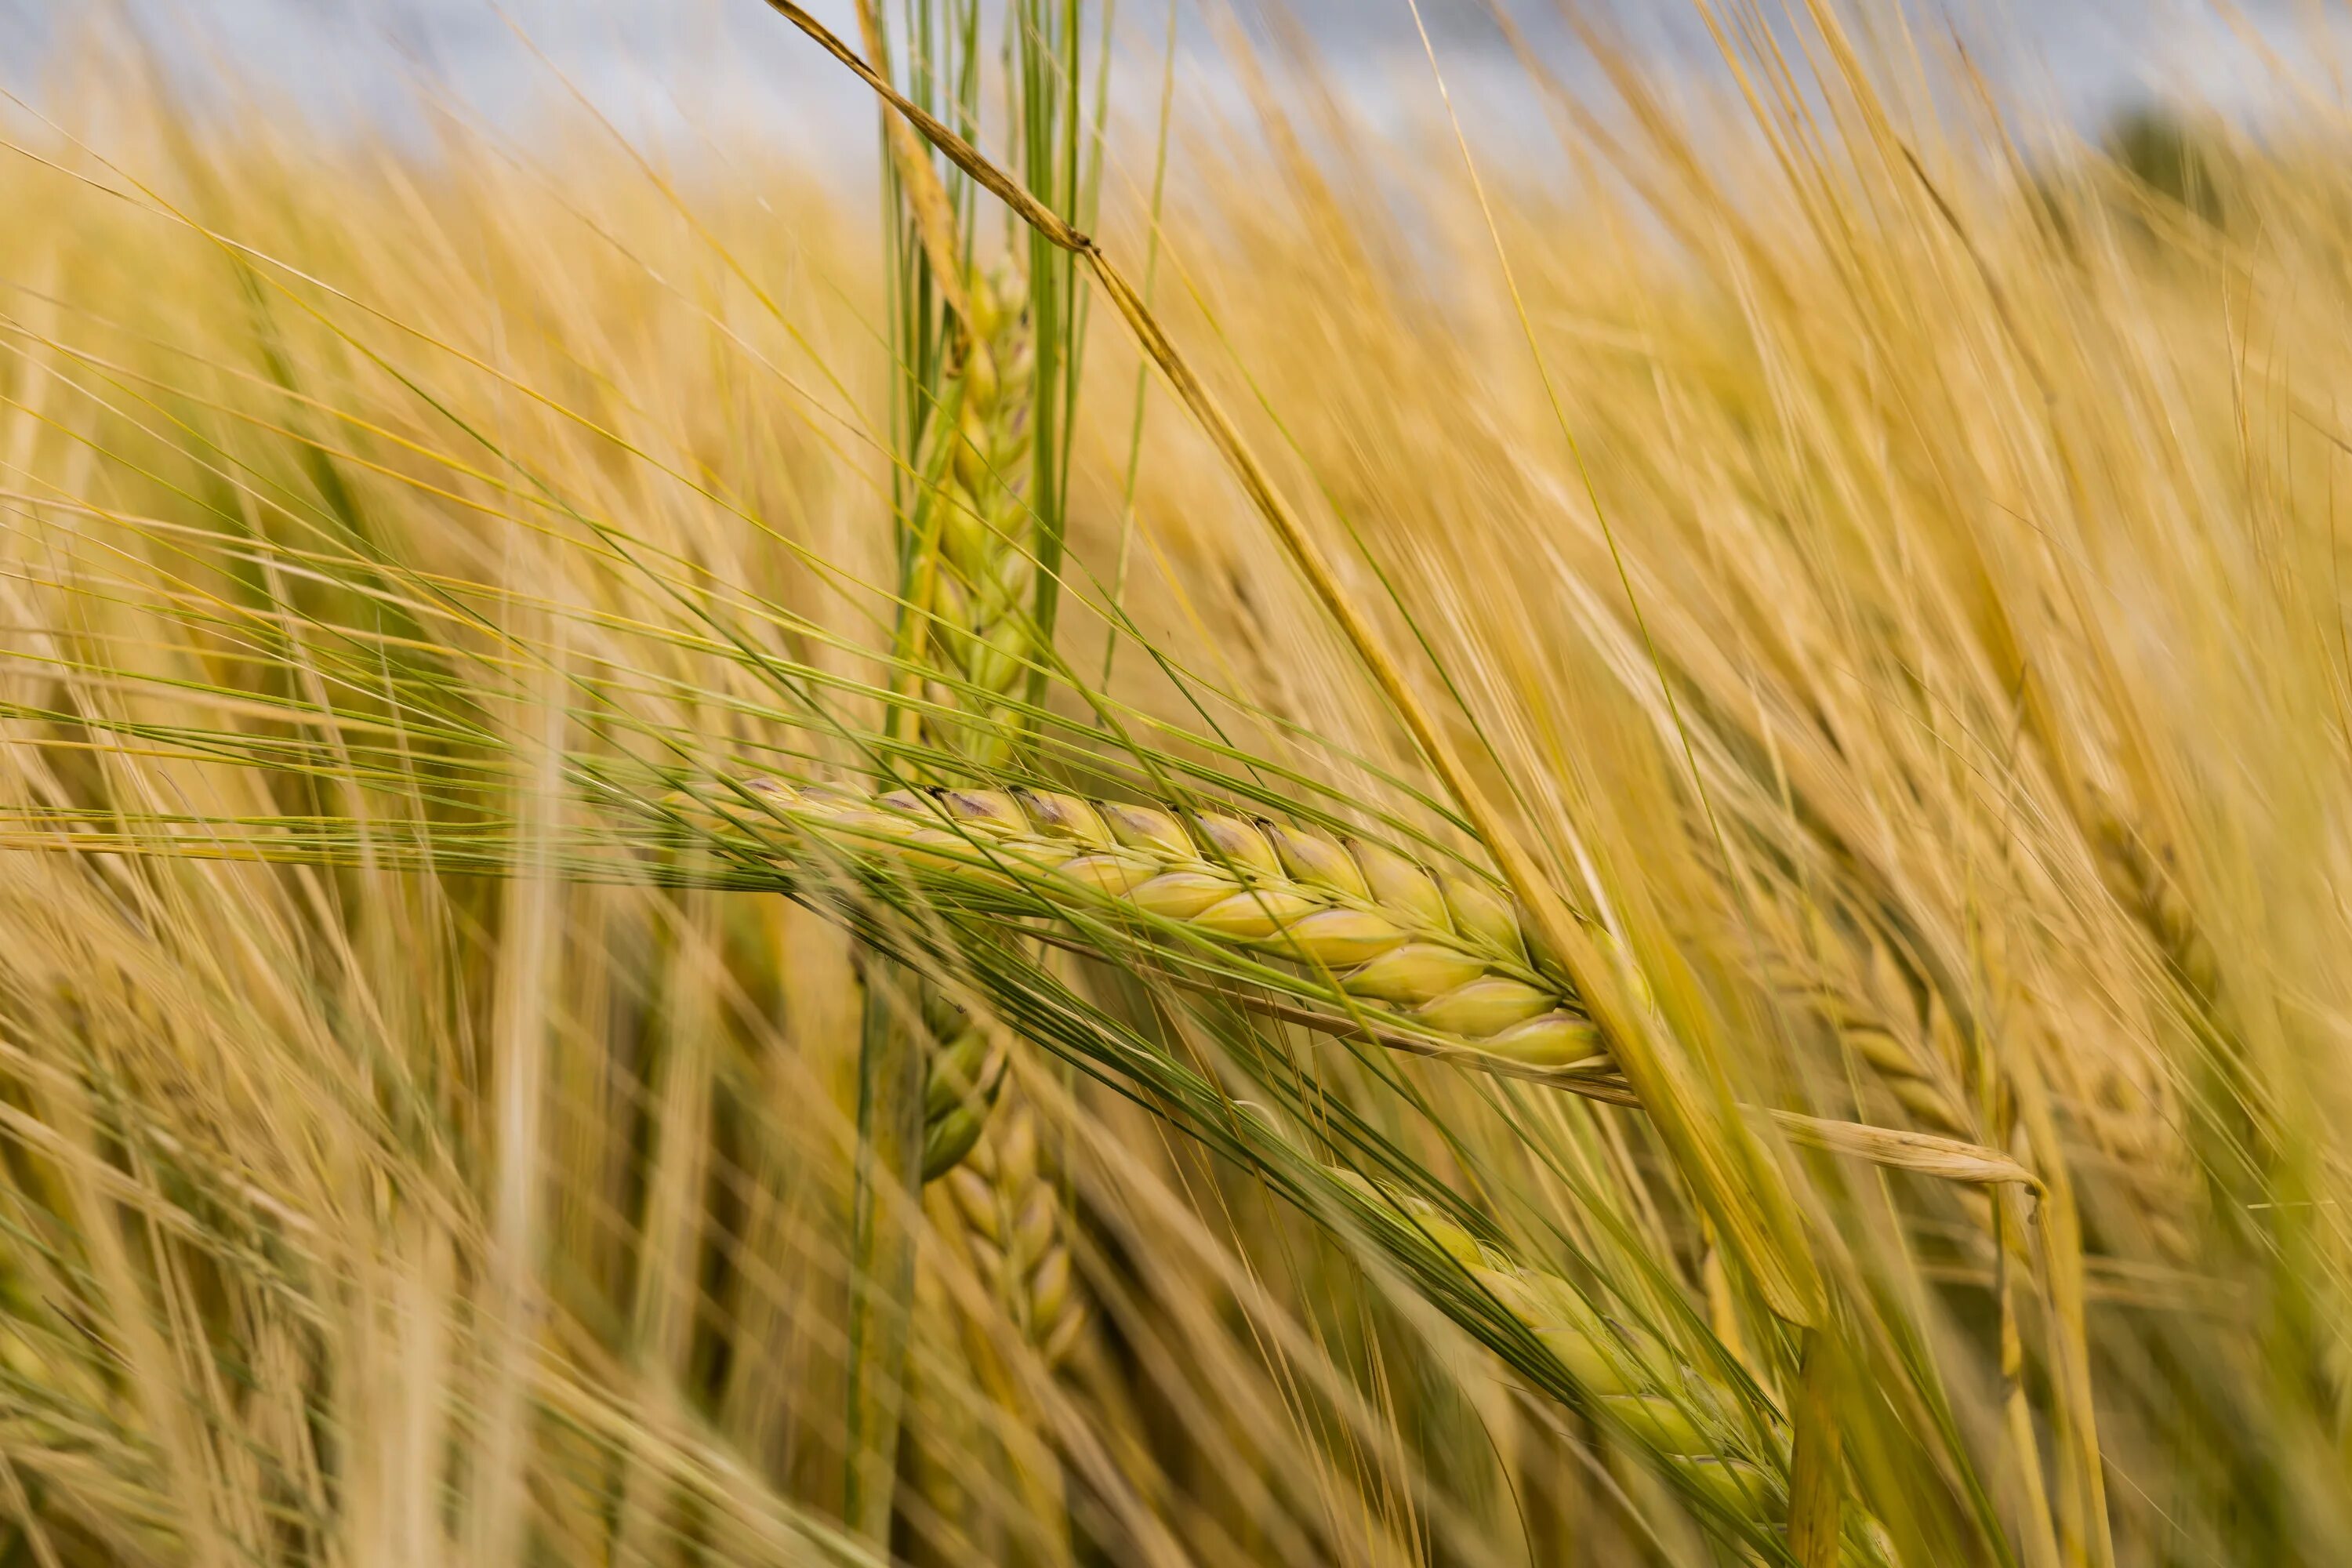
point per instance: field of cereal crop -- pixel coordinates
(1114, 801)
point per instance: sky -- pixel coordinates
(681, 69)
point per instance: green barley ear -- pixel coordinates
(980, 640)
(1700, 1431)
(1015, 1234)
(965, 1072)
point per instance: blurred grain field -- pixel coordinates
(1826, 595)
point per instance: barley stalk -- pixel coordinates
(972, 613)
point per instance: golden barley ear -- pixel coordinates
(1439, 962)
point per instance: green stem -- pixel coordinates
(882, 1274)
(920, 575)
(1143, 362)
(1815, 1482)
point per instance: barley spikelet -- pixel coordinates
(1013, 1233)
(979, 637)
(1854, 983)
(962, 1078)
(1439, 962)
(980, 1432)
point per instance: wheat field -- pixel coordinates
(1194, 834)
